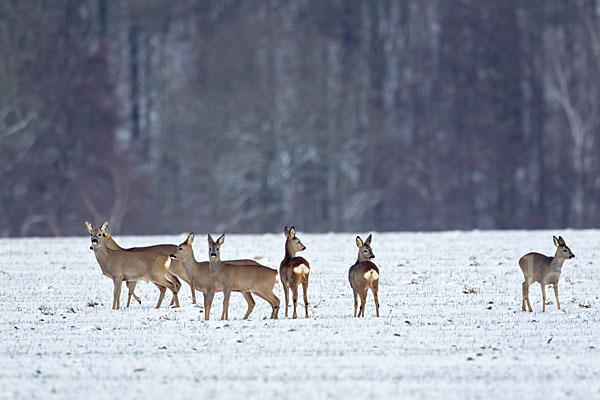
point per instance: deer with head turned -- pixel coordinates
(294, 270)
(175, 269)
(546, 270)
(130, 266)
(199, 274)
(364, 275)
(256, 279)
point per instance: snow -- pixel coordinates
(450, 324)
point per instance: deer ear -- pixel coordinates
(368, 241)
(104, 226)
(221, 240)
(210, 239)
(292, 232)
(286, 231)
(88, 226)
(190, 238)
(556, 243)
(561, 241)
(359, 242)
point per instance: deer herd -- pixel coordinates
(164, 265)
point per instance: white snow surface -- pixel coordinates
(451, 324)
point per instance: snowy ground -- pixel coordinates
(451, 324)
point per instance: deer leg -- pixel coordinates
(304, 290)
(117, 282)
(208, 299)
(163, 284)
(226, 295)
(131, 286)
(543, 297)
(526, 296)
(363, 302)
(193, 294)
(295, 299)
(275, 306)
(130, 293)
(355, 301)
(286, 290)
(163, 290)
(374, 289)
(272, 300)
(176, 286)
(251, 303)
(556, 293)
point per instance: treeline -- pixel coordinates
(247, 115)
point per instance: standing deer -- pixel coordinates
(175, 269)
(294, 270)
(131, 266)
(537, 267)
(256, 279)
(199, 273)
(364, 275)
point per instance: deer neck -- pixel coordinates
(111, 244)
(188, 259)
(360, 258)
(557, 262)
(289, 251)
(214, 264)
(103, 256)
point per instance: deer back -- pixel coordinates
(360, 275)
(199, 272)
(243, 277)
(539, 267)
(131, 265)
(293, 266)
(175, 267)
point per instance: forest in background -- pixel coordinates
(247, 115)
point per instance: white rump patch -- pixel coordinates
(371, 275)
(301, 269)
(168, 263)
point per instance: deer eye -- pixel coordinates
(180, 249)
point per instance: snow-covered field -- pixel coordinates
(450, 324)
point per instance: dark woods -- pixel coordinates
(341, 115)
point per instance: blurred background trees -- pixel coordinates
(246, 115)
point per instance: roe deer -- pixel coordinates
(175, 269)
(294, 270)
(130, 266)
(364, 275)
(537, 267)
(199, 273)
(256, 279)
